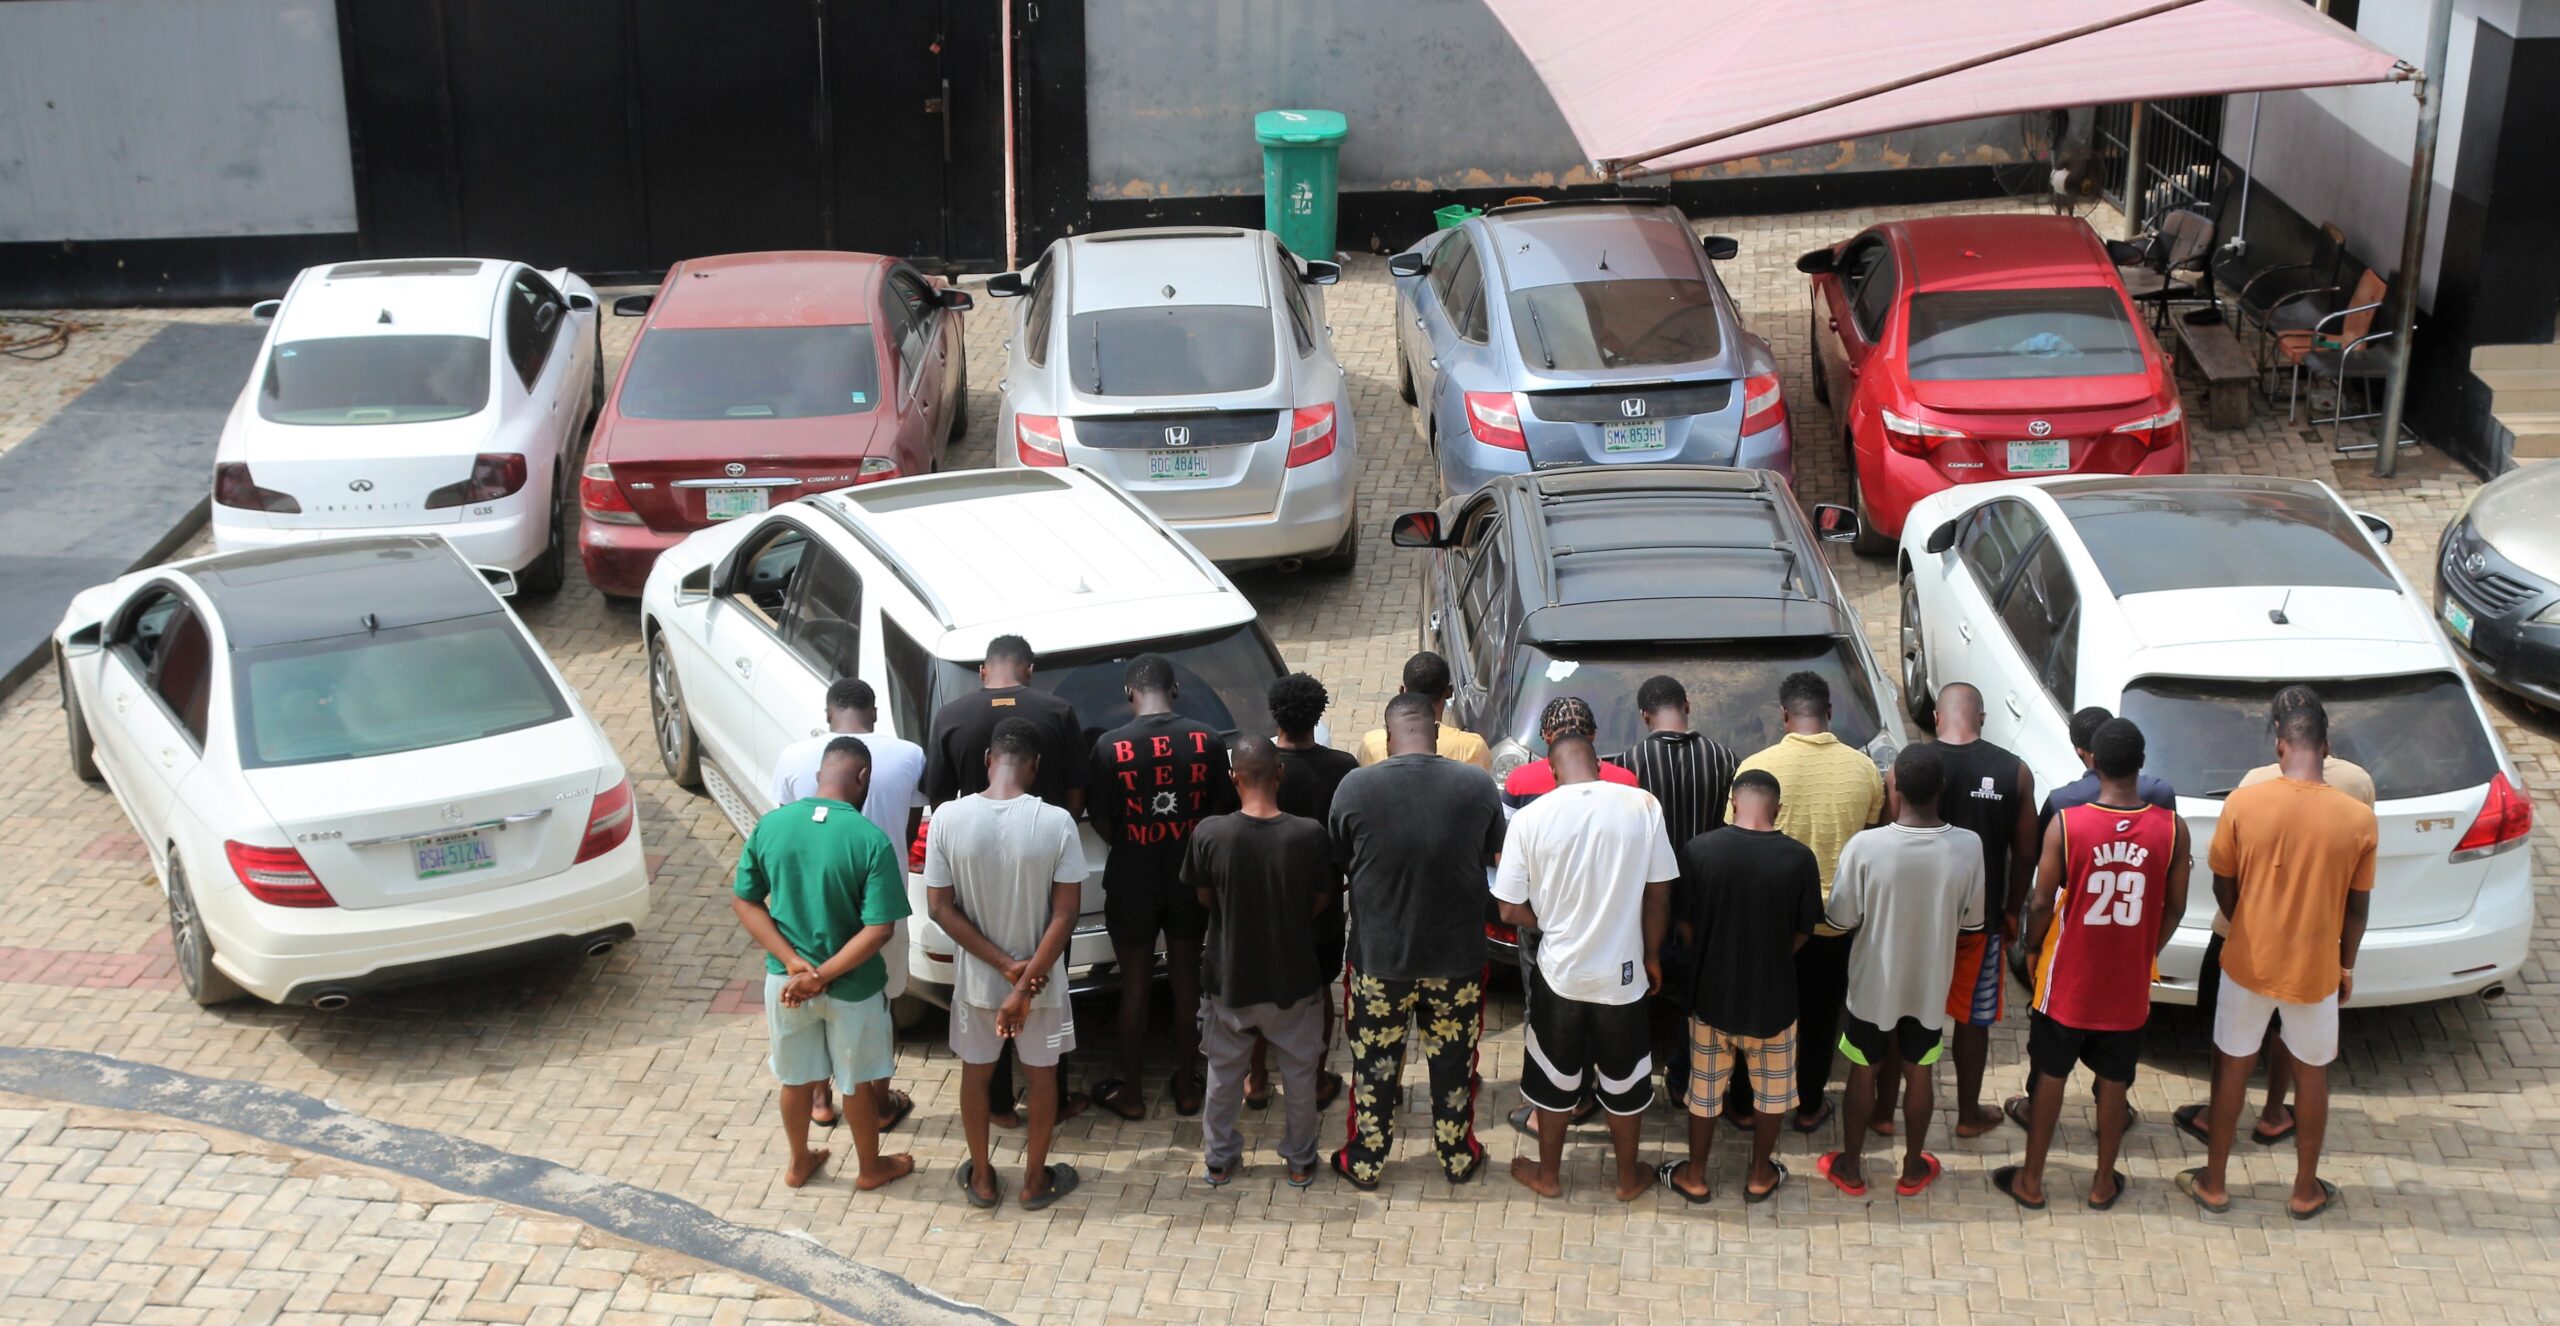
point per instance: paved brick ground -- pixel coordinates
(639, 1068)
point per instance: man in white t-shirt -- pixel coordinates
(1589, 865)
(1003, 875)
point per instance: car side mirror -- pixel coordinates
(1816, 262)
(500, 579)
(2381, 528)
(581, 304)
(1941, 538)
(958, 301)
(695, 587)
(1322, 273)
(1834, 524)
(633, 306)
(1720, 247)
(265, 309)
(1416, 529)
(1004, 285)
(1409, 264)
(2126, 253)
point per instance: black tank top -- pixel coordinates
(1982, 795)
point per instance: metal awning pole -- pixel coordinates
(2133, 146)
(2413, 237)
(1012, 204)
(2238, 231)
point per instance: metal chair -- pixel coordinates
(2292, 296)
(2183, 242)
(2351, 345)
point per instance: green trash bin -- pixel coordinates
(1301, 150)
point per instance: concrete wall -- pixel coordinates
(155, 119)
(1437, 94)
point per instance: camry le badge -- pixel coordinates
(1632, 407)
(1177, 436)
(2040, 428)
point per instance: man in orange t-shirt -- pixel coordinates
(2292, 865)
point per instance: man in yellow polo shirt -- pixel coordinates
(1427, 674)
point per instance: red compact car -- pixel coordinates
(1964, 349)
(759, 377)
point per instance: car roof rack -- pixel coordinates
(871, 542)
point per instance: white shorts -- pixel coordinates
(1046, 1034)
(2240, 1024)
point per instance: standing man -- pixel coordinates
(1992, 793)
(1689, 773)
(1154, 778)
(1414, 833)
(2111, 881)
(1564, 716)
(1309, 773)
(2293, 868)
(1907, 889)
(1833, 791)
(821, 890)
(1752, 897)
(1004, 878)
(2084, 789)
(1427, 674)
(1265, 877)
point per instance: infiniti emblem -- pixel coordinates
(1632, 407)
(359, 485)
(733, 469)
(2040, 428)
(1177, 436)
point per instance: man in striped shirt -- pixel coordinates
(1691, 774)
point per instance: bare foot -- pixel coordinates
(1524, 1171)
(798, 1173)
(890, 1170)
(1978, 1120)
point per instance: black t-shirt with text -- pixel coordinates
(955, 755)
(1265, 877)
(1412, 833)
(1748, 894)
(1982, 795)
(1153, 779)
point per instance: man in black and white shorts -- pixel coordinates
(1590, 866)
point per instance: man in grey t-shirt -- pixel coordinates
(1003, 875)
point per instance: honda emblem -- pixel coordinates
(734, 470)
(2040, 428)
(1177, 436)
(1632, 407)
(360, 485)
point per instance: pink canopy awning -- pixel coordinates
(1642, 82)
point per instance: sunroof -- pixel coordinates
(2208, 538)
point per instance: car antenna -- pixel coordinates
(1604, 260)
(369, 622)
(2276, 613)
(385, 319)
(1541, 329)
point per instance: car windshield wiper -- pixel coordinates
(1541, 330)
(1094, 337)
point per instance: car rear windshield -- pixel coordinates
(1988, 335)
(2204, 540)
(375, 380)
(410, 688)
(752, 373)
(1222, 678)
(2417, 734)
(1177, 350)
(1733, 688)
(1584, 325)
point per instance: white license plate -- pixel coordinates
(1633, 437)
(454, 854)
(2039, 457)
(2458, 620)
(1177, 465)
(731, 503)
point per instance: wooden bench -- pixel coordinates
(2214, 354)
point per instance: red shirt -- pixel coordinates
(2095, 972)
(1536, 778)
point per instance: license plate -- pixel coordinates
(2039, 457)
(2457, 619)
(731, 503)
(1633, 437)
(1177, 465)
(454, 854)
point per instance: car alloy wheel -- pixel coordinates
(676, 747)
(1915, 662)
(194, 948)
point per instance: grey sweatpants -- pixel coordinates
(1296, 1034)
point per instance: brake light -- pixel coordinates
(602, 499)
(2504, 822)
(1500, 933)
(1494, 417)
(2165, 429)
(1912, 437)
(493, 475)
(608, 821)
(1764, 403)
(277, 876)
(1310, 434)
(876, 468)
(1037, 441)
(232, 487)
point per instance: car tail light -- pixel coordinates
(1310, 434)
(608, 821)
(1494, 417)
(1764, 403)
(277, 876)
(1912, 437)
(1502, 934)
(876, 468)
(2165, 429)
(602, 499)
(2505, 821)
(493, 475)
(1036, 440)
(233, 487)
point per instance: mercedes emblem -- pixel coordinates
(452, 813)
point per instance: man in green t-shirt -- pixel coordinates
(822, 889)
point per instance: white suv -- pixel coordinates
(903, 584)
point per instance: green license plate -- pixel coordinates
(1633, 437)
(2457, 619)
(731, 503)
(2039, 457)
(454, 854)
(1177, 465)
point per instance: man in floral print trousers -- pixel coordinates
(1413, 834)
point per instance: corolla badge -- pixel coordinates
(2040, 428)
(1177, 436)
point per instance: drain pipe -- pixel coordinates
(2413, 239)
(2238, 244)
(1012, 224)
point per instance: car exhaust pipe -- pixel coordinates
(2494, 993)
(1290, 566)
(330, 1001)
(600, 947)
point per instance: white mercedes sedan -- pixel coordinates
(443, 396)
(353, 769)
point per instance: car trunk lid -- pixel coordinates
(684, 475)
(2063, 426)
(356, 477)
(1694, 422)
(1191, 464)
(2415, 880)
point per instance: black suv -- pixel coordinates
(1586, 581)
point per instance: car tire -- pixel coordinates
(84, 748)
(543, 576)
(1915, 653)
(1345, 555)
(677, 747)
(959, 408)
(193, 946)
(595, 385)
(1821, 380)
(1404, 375)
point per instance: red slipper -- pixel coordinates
(1915, 1189)
(1823, 1164)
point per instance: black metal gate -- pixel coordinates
(2181, 150)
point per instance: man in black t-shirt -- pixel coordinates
(1153, 779)
(1309, 773)
(1990, 792)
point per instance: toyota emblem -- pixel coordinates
(734, 470)
(2040, 428)
(1632, 407)
(1177, 436)
(359, 485)
(2474, 564)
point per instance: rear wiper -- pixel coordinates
(1541, 330)
(1095, 328)
(2217, 796)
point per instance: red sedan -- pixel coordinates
(1964, 349)
(759, 377)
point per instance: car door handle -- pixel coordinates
(1965, 629)
(1433, 624)
(124, 701)
(1417, 323)
(745, 665)
(2016, 710)
(1833, 323)
(168, 756)
(1435, 362)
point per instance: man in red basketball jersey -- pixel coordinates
(2113, 878)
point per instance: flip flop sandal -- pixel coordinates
(2016, 1108)
(2122, 1183)
(2270, 1139)
(2190, 1120)
(2005, 1179)
(967, 1175)
(1475, 1163)
(1342, 1166)
(1823, 1164)
(835, 1115)
(1254, 1102)
(1305, 1178)
(1173, 1088)
(1820, 1117)
(900, 1106)
(1663, 1174)
(1217, 1178)
(1328, 1088)
(1765, 1194)
(1905, 1188)
(1109, 1093)
(1062, 1180)
(2187, 1179)
(2328, 1198)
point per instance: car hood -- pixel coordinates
(629, 439)
(2518, 514)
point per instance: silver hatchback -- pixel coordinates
(1193, 367)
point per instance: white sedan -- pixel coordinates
(2184, 604)
(353, 769)
(417, 395)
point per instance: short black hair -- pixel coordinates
(2115, 750)
(1659, 693)
(1756, 780)
(2084, 726)
(1804, 693)
(1920, 773)
(2291, 698)
(1409, 702)
(2304, 727)
(1148, 672)
(1015, 737)
(1567, 715)
(1427, 674)
(851, 693)
(1296, 702)
(1563, 740)
(1009, 649)
(847, 748)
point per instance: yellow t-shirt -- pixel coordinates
(1456, 743)
(1827, 792)
(2298, 849)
